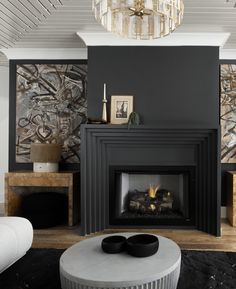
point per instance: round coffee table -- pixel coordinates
(85, 265)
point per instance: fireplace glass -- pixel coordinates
(161, 196)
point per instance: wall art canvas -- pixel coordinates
(228, 113)
(51, 104)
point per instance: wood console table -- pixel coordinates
(231, 197)
(67, 180)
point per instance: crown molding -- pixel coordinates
(75, 53)
(228, 54)
(45, 53)
(174, 39)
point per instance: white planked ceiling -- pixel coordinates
(54, 23)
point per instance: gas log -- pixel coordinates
(143, 203)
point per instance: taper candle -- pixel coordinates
(104, 101)
(104, 91)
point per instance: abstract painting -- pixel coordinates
(228, 113)
(51, 104)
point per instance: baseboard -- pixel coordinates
(1, 209)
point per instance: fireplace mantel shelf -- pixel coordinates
(146, 127)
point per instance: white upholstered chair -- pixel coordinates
(16, 236)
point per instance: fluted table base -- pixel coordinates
(169, 281)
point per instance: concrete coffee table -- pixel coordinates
(85, 265)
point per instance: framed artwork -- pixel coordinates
(228, 112)
(121, 107)
(48, 103)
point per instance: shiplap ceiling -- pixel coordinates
(54, 23)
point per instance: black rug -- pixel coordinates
(39, 269)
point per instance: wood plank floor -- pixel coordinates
(64, 237)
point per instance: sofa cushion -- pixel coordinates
(16, 236)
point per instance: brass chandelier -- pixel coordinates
(234, 3)
(139, 19)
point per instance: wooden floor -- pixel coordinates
(63, 237)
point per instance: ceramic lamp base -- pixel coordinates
(45, 167)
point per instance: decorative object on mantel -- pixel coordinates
(139, 19)
(95, 121)
(228, 108)
(45, 156)
(134, 119)
(104, 107)
(121, 108)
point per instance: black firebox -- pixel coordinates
(152, 195)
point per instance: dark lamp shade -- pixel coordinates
(45, 153)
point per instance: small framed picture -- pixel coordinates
(121, 108)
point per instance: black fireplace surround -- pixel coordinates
(109, 150)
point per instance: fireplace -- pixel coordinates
(181, 164)
(156, 195)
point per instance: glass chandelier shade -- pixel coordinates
(139, 19)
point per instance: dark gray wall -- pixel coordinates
(169, 84)
(172, 86)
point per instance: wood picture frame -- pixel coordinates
(61, 86)
(121, 108)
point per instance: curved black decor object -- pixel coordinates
(114, 244)
(142, 245)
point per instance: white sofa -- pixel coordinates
(16, 236)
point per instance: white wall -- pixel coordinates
(4, 100)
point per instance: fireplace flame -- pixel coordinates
(152, 207)
(152, 191)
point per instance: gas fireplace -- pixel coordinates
(152, 195)
(149, 177)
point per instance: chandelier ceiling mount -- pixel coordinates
(139, 10)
